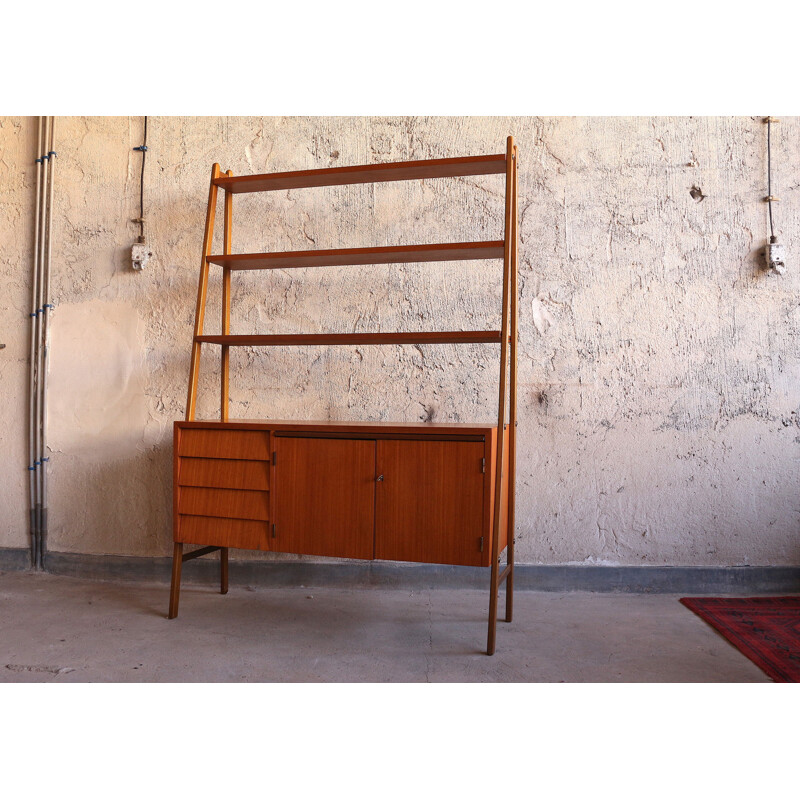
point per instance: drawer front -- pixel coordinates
(244, 533)
(223, 503)
(209, 443)
(223, 473)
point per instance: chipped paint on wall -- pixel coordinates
(659, 363)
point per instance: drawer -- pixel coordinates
(244, 533)
(209, 443)
(223, 503)
(223, 473)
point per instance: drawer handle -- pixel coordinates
(379, 478)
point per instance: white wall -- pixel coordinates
(659, 395)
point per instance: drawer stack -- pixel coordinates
(222, 484)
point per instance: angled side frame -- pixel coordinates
(507, 342)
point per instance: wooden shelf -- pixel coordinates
(404, 254)
(435, 493)
(368, 173)
(411, 337)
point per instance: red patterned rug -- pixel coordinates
(765, 629)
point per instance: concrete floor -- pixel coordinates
(61, 630)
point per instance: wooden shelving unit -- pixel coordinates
(430, 492)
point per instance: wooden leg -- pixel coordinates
(510, 594)
(223, 569)
(492, 610)
(502, 472)
(510, 578)
(175, 589)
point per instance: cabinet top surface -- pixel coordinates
(342, 426)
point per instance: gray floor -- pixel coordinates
(60, 630)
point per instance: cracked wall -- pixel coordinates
(659, 364)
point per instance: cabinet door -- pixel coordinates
(429, 504)
(325, 497)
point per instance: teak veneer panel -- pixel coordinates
(355, 256)
(244, 533)
(223, 473)
(223, 503)
(325, 497)
(491, 470)
(430, 503)
(235, 444)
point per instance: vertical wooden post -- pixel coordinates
(226, 305)
(501, 410)
(194, 367)
(512, 416)
(225, 362)
(175, 588)
(202, 288)
(223, 567)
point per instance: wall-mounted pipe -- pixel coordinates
(40, 332)
(34, 356)
(47, 308)
(39, 325)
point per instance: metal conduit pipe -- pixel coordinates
(39, 325)
(46, 308)
(32, 419)
(40, 340)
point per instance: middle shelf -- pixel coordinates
(357, 256)
(407, 337)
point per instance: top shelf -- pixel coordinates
(369, 173)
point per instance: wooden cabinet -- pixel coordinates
(394, 492)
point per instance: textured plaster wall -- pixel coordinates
(659, 364)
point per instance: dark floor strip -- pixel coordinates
(545, 578)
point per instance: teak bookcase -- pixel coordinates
(428, 492)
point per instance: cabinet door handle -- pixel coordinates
(379, 478)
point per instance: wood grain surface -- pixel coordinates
(402, 254)
(246, 534)
(234, 503)
(429, 506)
(325, 497)
(223, 473)
(221, 443)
